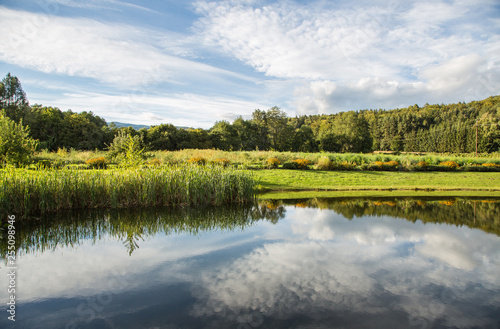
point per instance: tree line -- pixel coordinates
(431, 128)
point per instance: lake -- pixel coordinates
(316, 263)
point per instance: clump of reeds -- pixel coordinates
(25, 192)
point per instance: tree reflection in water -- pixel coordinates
(135, 225)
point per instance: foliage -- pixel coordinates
(324, 163)
(127, 149)
(450, 164)
(221, 162)
(197, 161)
(13, 98)
(16, 146)
(97, 163)
(379, 165)
(272, 163)
(297, 164)
(431, 128)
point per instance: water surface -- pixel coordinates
(320, 263)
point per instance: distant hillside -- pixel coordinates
(122, 125)
(137, 127)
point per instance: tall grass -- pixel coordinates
(27, 192)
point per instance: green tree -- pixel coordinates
(249, 133)
(127, 149)
(224, 136)
(13, 98)
(16, 146)
(162, 137)
(303, 140)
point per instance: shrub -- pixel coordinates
(491, 165)
(379, 165)
(344, 165)
(97, 163)
(324, 163)
(289, 165)
(16, 146)
(127, 149)
(452, 165)
(486, 167)
(301, 163)
(422, 164)
(273, 163)
(221, 162)
(392, 163)
(197, 160)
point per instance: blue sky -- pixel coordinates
(192, 63)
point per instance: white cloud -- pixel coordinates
(359, 56)
(116, 54)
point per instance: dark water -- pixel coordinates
(321, 263)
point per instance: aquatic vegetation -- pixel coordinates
(27, 192)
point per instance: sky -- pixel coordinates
(192, 63)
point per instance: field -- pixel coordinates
(258, 159)
(64, 179)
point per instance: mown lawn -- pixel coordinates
(279, 179)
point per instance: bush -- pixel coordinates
(384, 166)
(290, 165)
(324, 163)
(197, 161)
(273, 163)
(486, 167)
(422, 164)
(344, 165)
(301, 163)
(221, 162)
(97, 163)
(16, 146)
(452, 165)
(127, 149)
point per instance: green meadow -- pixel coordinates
(61, 180)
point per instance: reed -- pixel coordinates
(29, 192)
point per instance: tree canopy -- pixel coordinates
(431, 128)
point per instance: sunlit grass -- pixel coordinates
(367, 180)
(25, 192)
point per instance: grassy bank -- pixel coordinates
(28, 192)
(309, 180)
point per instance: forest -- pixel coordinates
(428, 128)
